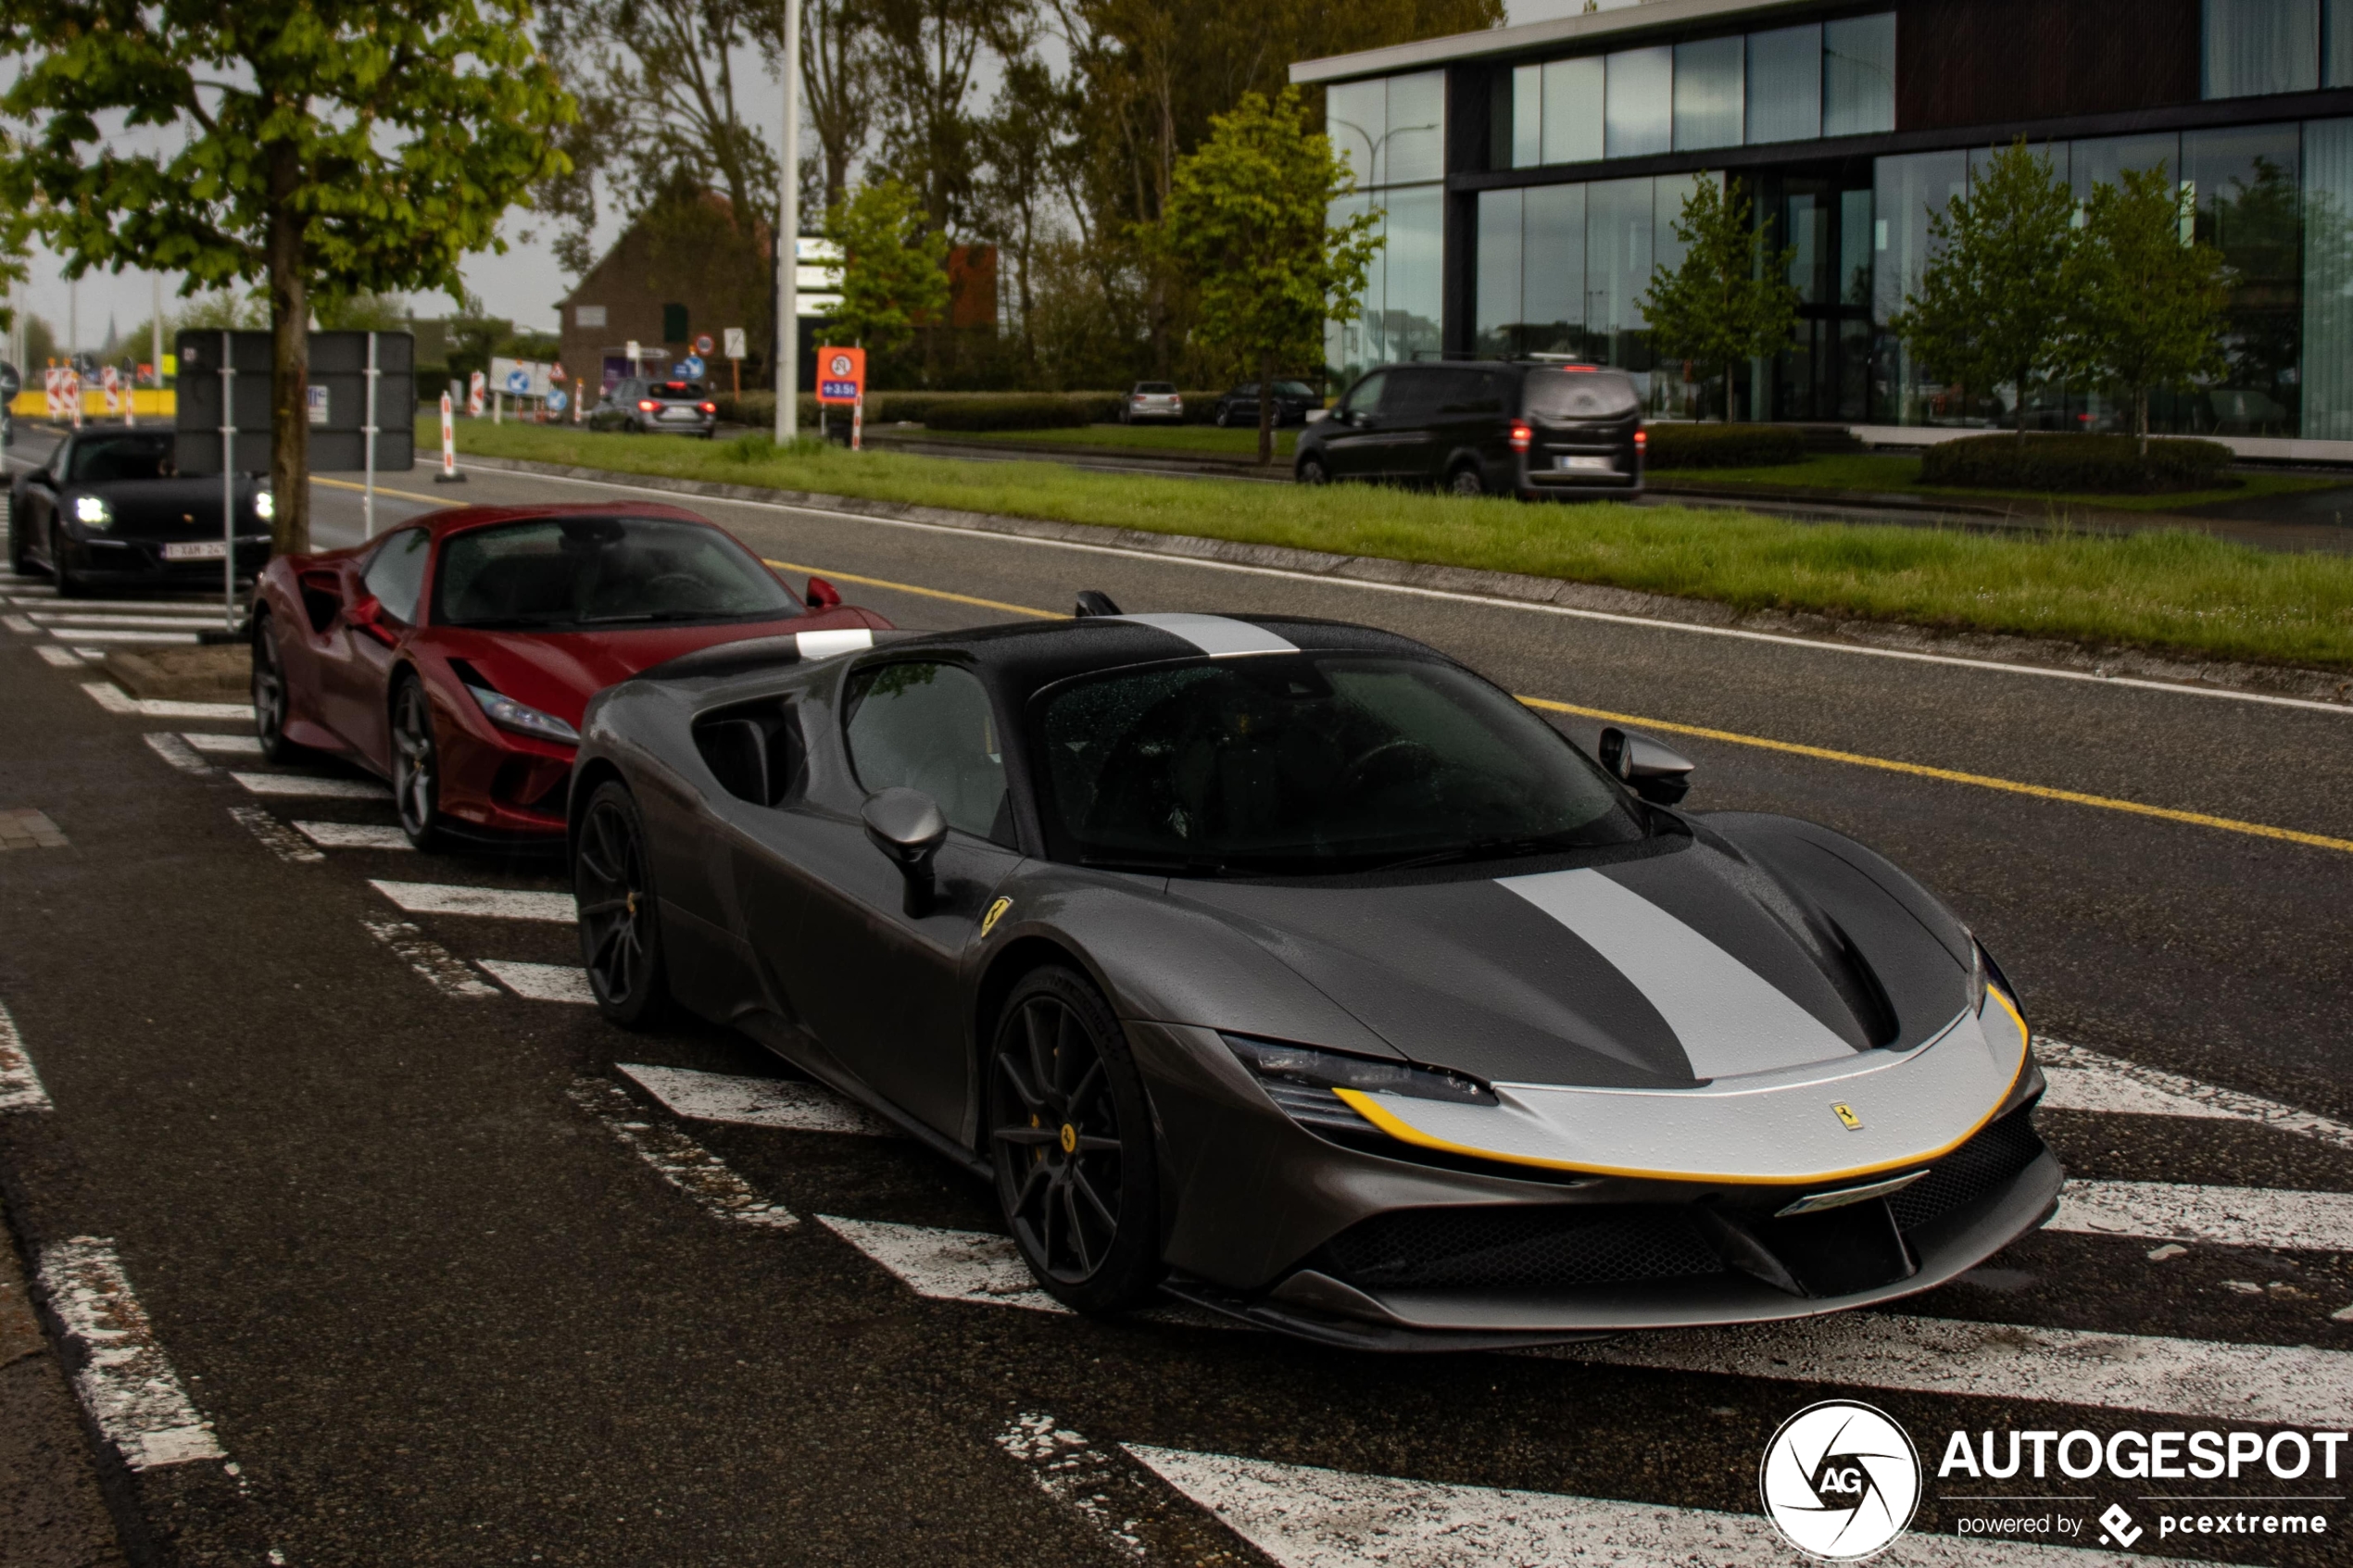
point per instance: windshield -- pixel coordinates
(1293, 389)
(1314, 762)
(601, 571)
(100, 460)
(677, 389)
(1156, 388)
(1580, 395)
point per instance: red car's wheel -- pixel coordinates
(416, 764)
(270, 699)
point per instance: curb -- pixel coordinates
(1515, 588)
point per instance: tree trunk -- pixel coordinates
(1728, 392)
(2019, 407)
(1265, 408)
(2141, 420)
(289, 361)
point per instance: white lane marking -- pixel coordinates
(20, 1086)
(309, 787)
(541, 982)
(191, 622)
(222, 745)
(2087, 1080)
(1303, 1516)
(1490, 601)
(125, 1381)
(947, 1265)
(1729, 1019)
(2288, 1386)
(64, 658)
(1080, 1476)
(89, 656)
(751, 1102)
(275, 836)
(353, 835)
(107, 635)
(18, 624)
(681, 1161)
(497, 903)
(2283, 1221)
(177, 752)
(427, 957)
(114, 699)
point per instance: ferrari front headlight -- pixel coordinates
(92, 511)
(508, 714)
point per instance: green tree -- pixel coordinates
(1730, 300)
(894, 269)
(1990, 306)
(327, 146)
(2148, 298)
(1246, 220)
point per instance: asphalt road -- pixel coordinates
(436, 1281)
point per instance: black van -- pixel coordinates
(1533, 430)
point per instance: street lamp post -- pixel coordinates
(788, 242)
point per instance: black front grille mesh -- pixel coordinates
(1544, 1248)
(1976, 1170)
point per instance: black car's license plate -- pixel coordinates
(198, 549)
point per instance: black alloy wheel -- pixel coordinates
(620, 935)
(1070, 1137)
(416, 764)
(1312, 472)
(1225, 419)
(270, 692)
(1466, 481)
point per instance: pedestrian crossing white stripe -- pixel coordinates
(2283, 1221)
(681, 1161)
(125, 1381)
(76, 618)
(497, 903)
(105, 634)
(1305, 1517)
(20, 1086)
(427, 957)
(185, 609)
(947, 1265)
(751, 1102)
(18, 624)
(353, 835)
(541, 982)
(2281, 1385)
(114, 699)
(177, 752)
(222, 745)
(308, 786)
(64, 658)
(274, 834)
(2097, 1082)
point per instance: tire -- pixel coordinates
(70, 583)
(1311, 471)
(1466, 481)
(270, 703)
(1071, 1142)
(416, 764)
(619, 927)
(1223, 420)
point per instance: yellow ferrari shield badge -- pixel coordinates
(996, 912)
(1845, 1114)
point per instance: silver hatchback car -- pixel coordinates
(1152, 402)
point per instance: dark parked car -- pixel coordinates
(1152, 402)
(1483, 428)
(1292, 400)
(642, 405)
(109, 507)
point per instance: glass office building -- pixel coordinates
(1529, 179)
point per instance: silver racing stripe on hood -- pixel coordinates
(1220, 637)
(835, 643)
(1729, 1019)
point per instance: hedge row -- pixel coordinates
(1682, 446)
(2108, 464)
(967, 410)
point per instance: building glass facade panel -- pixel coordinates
(2255, 46)
(2336, 44)
(1905, 191)
(1641, 102)
(2328, 280)
(1858, 75)
(1709, 88)
(2099, 161)
(1527, 116)
(1392, 130)
(1416, 129)
(1574, 121)
(2247, 182)
(1552, 289)
(1784, 98)
(1356, 119)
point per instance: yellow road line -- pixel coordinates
(910, 588)
(381, 490)
(2008, 786)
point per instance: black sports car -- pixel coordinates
(1294, 969)
(109, 508)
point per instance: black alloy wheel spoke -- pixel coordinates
(1078, 1227)
(1030, 1136)
(1041, 1056)
(1086, 1189)
(1031, 1101)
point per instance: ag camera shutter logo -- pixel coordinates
(1840, 1481)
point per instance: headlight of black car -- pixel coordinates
(1301, 1080)
(92, 511)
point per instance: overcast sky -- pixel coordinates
(524, 284)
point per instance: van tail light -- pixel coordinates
(647, 405)
(707, 408)
(1523, 437)
(1642, 439)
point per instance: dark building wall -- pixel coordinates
(1981, 62)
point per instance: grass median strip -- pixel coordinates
(2181, 590)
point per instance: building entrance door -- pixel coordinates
(1825, 224)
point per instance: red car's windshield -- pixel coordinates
(576, 573)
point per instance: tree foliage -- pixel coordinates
(2147, 299)
(1731, 299)
(323, 146)
(894, 271)
(1246, 219)
(1989, 308)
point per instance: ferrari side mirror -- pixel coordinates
(364, 611)
(1658, 774)
(906, 825)
(823, 595)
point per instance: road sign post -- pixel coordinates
(448, 474)
(735, 337)
(368, 493)
(841, 378)
(229, 482)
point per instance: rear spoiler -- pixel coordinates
(753, 654)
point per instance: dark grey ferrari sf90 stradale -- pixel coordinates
(1294, 969)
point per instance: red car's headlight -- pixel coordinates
(508, 714)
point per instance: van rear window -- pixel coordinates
(1580, 395)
